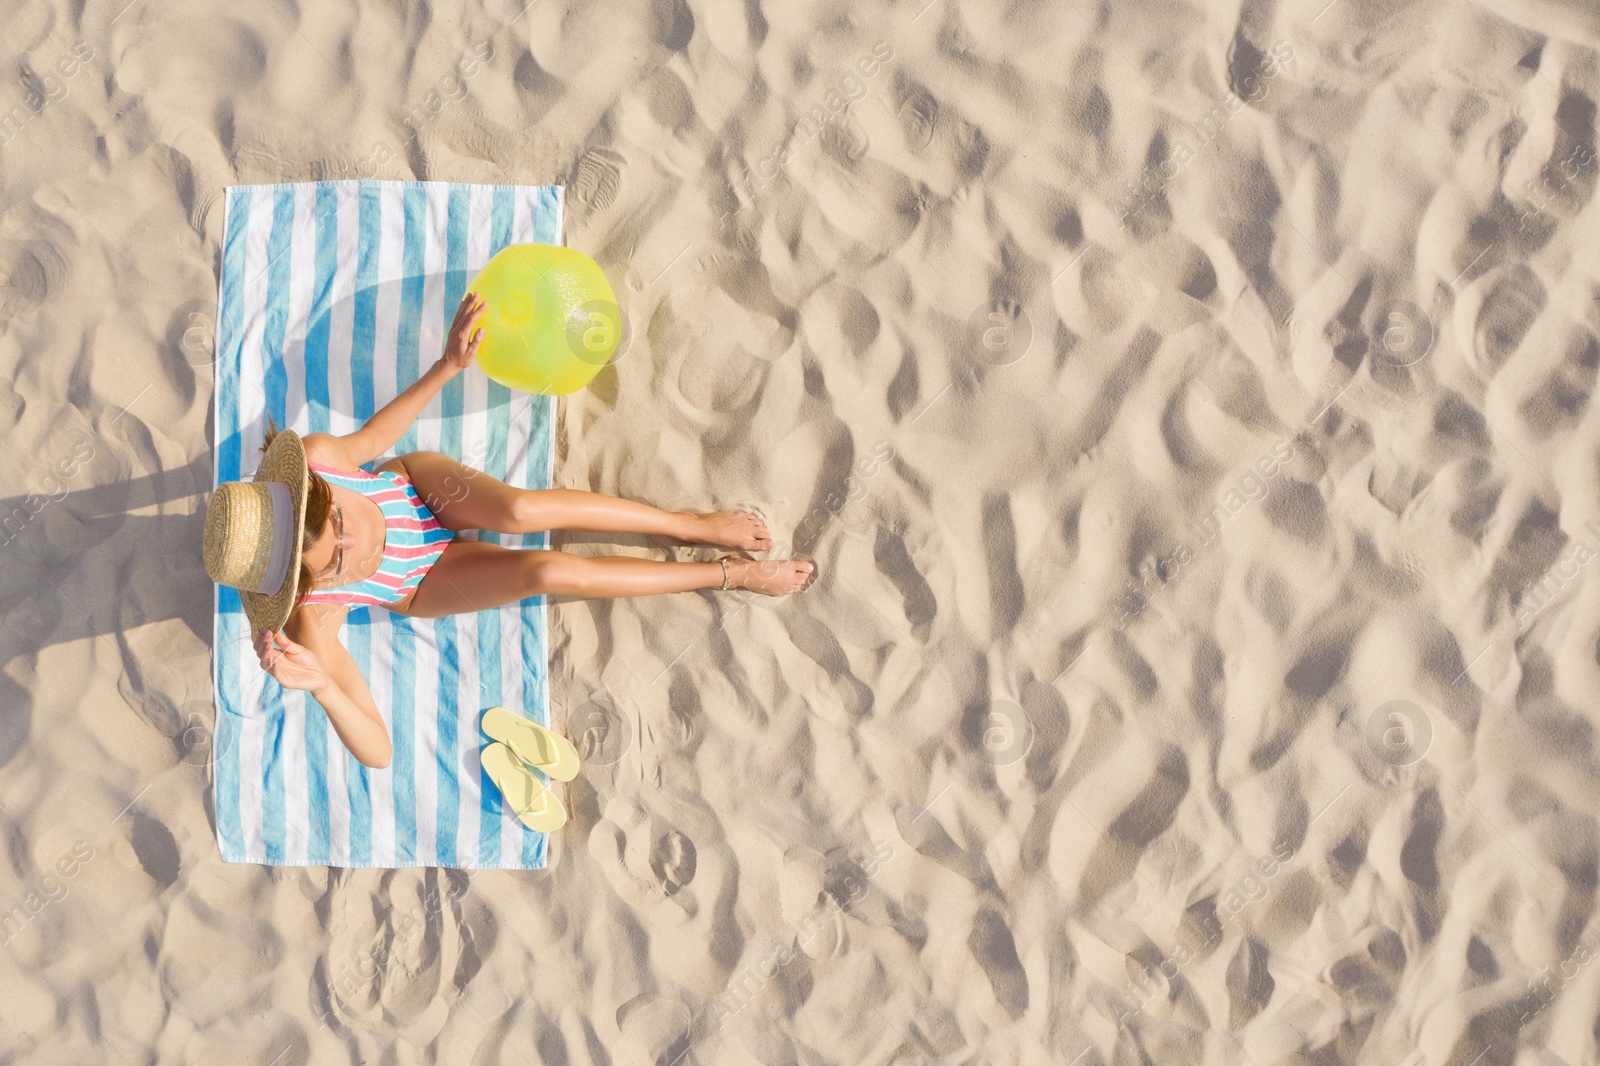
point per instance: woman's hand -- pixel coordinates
(461, 347)
(291, 665)
(385, 428)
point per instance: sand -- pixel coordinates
(1188, 406)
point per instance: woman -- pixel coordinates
(312, 535)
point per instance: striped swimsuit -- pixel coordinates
(413, 539)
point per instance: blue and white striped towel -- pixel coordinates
(335, 295)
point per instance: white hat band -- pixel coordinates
(282, 538)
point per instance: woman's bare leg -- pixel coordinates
(476, 575)
(464, 498)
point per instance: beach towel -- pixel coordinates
(334, 296)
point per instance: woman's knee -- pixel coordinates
(527, 512)
(552, 572)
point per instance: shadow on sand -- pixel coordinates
(112, 559)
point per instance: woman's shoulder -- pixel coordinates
(310, 622)
(325, 450)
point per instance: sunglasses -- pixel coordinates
(338, 533)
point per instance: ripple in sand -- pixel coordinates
(999, 333)
(191, 334)
(1000, 732)
(603, 734)
(1399, 732)
(1405, 334)
(1562, 397)
(839, 317)
(995, 949)
(156, 849)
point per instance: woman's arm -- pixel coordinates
(315, 661)
(386, 427)
(357, 724)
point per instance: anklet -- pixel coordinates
(724, 563)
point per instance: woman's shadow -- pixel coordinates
(113, 559)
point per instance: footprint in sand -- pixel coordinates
(203, 211)
(199, 171)
(1513, 298)
(263, 164)
(153, 685)
(397, 960)
(646, 860)
(597, 178)
(844, 138)
(809, 915)
(30, 273)
(467, 144)
(672, 869)
(656, 1025)
(672, 861)
(919, 114)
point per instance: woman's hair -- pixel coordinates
(319, 505)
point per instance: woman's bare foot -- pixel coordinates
(729, 529)
(771, 577)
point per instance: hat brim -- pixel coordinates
(284, 461)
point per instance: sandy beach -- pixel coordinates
(1187, 405)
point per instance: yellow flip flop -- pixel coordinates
(525, 795)
(550, 753)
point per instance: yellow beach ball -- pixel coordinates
(551, 321)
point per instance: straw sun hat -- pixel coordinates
(253, 533)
